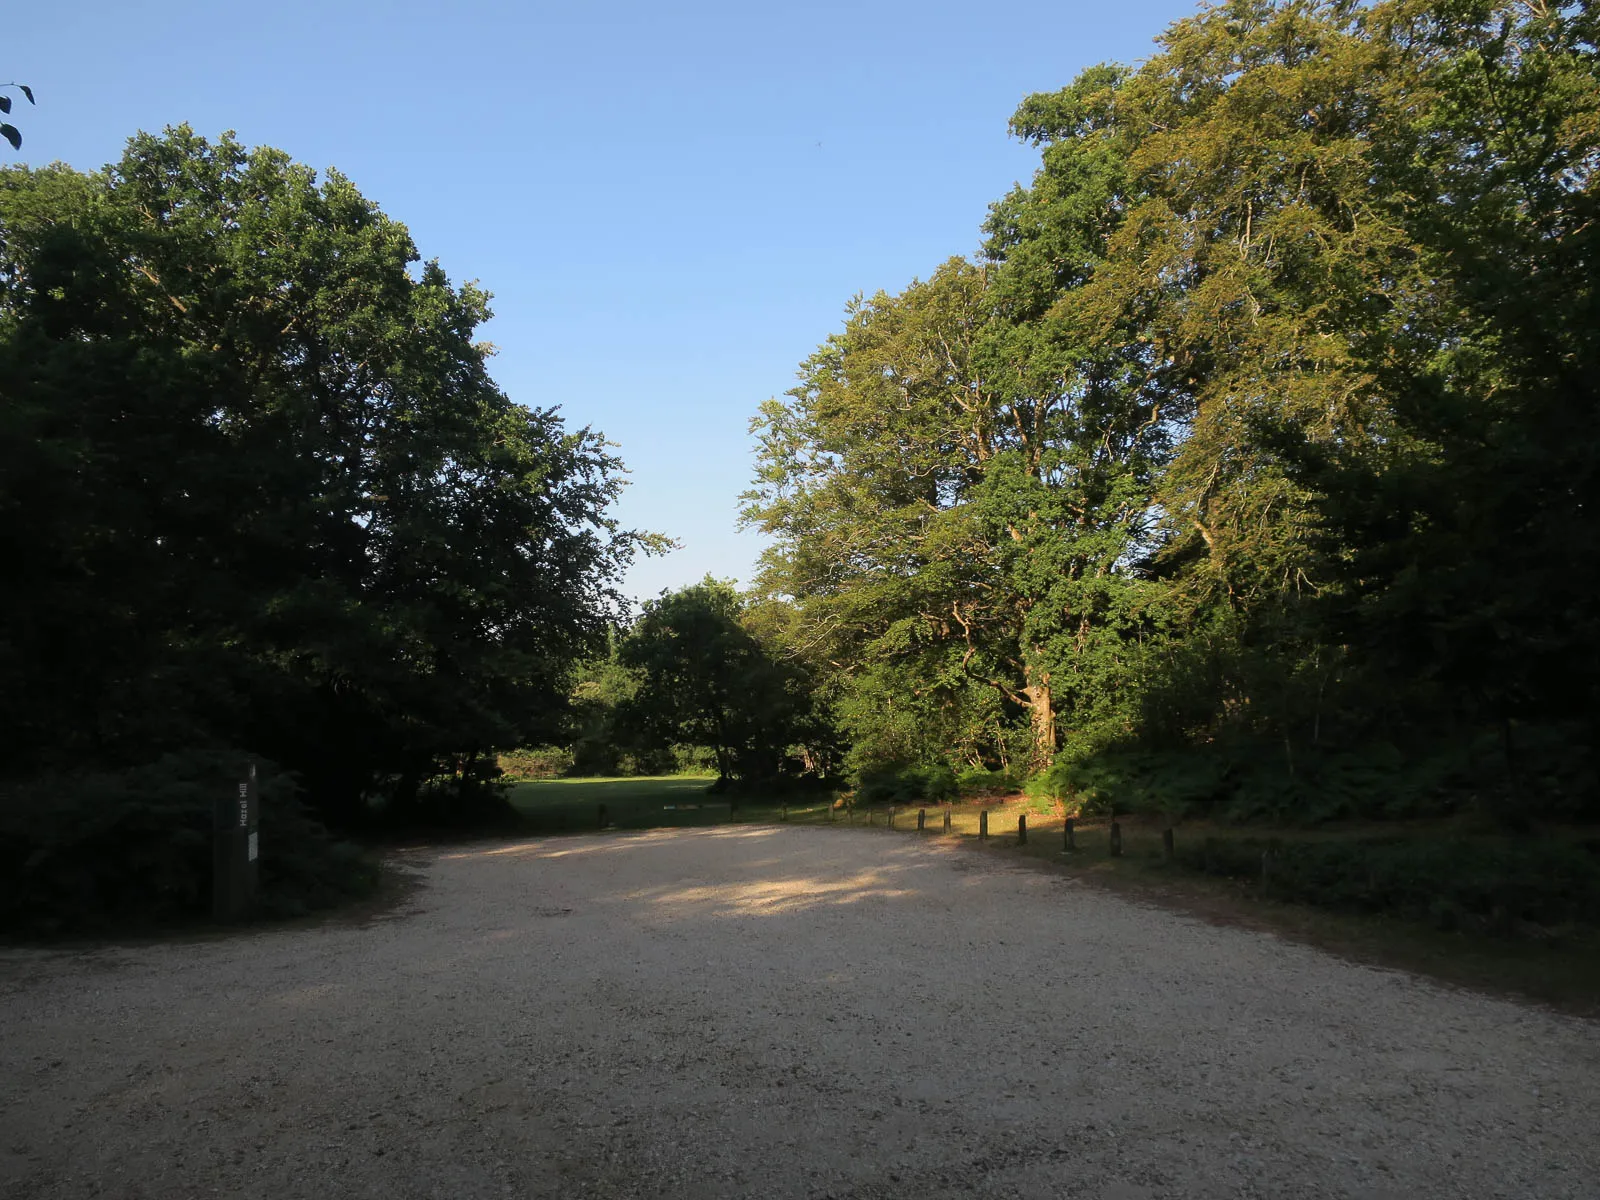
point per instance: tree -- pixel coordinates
(704, 678)
(261, 492)
(1261, 439)
(962, 481)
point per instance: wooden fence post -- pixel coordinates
(891, 816)
(602, 816)
(1022, 829)
(1116, 840)
(922, 819)
(785, 812)
(947, 820)
(983, 825)
(1068, 842)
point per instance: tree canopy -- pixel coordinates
(260, 492)
(1254, 449)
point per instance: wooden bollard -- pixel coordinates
(1022, 829)
(1167, 849)
(1068, 842)
(983, 824)
(849, 814)
(602, 816)
(871, 816)
(947, 820)
(891, 816)
(830, 810)
(922, 819)
(785, 816)
(1116, 840)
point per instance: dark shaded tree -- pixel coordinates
(705, 678)
(258, 490)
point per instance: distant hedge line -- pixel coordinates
(1449, 882)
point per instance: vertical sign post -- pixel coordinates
(236, 849)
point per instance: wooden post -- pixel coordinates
(947, 820)
(830, 810)
(602, 823)
(785, 812)
(235, 851)
(983, 825)
(871, 816)
(1116, 840)
(1166, 844)
(1022, 829)
(1068, 842)
(891, 816)
(922, 819)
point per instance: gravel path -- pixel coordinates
(774, 1012)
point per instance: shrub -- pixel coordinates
(536, 762)
(906, 784)
(1446, 881)
(121, 848)
(976, 782)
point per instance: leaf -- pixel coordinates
(27, 91)
(10, 133)
(5, 103)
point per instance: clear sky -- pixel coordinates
(671, 203)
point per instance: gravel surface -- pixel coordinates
(754, 1011)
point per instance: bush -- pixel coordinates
(975, 782)
(1080, 790)
(473, 799)
(536, 762)
(906, 784)
(694, 760)
(1449, 882)
(124, 848)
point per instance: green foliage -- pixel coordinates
(706, 677)
(978, 783)
(536, 762)
(906, 785)
(91, 850)
(1493, 885)
(258, 489)
(1244, 474)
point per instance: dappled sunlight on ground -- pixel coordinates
(770, 896)
(568, 847)
(860, 1014)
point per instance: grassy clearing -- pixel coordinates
(642, 802)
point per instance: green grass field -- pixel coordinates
(644, 802)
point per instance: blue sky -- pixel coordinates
(671, 203)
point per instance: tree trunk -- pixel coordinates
(1042, 717)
